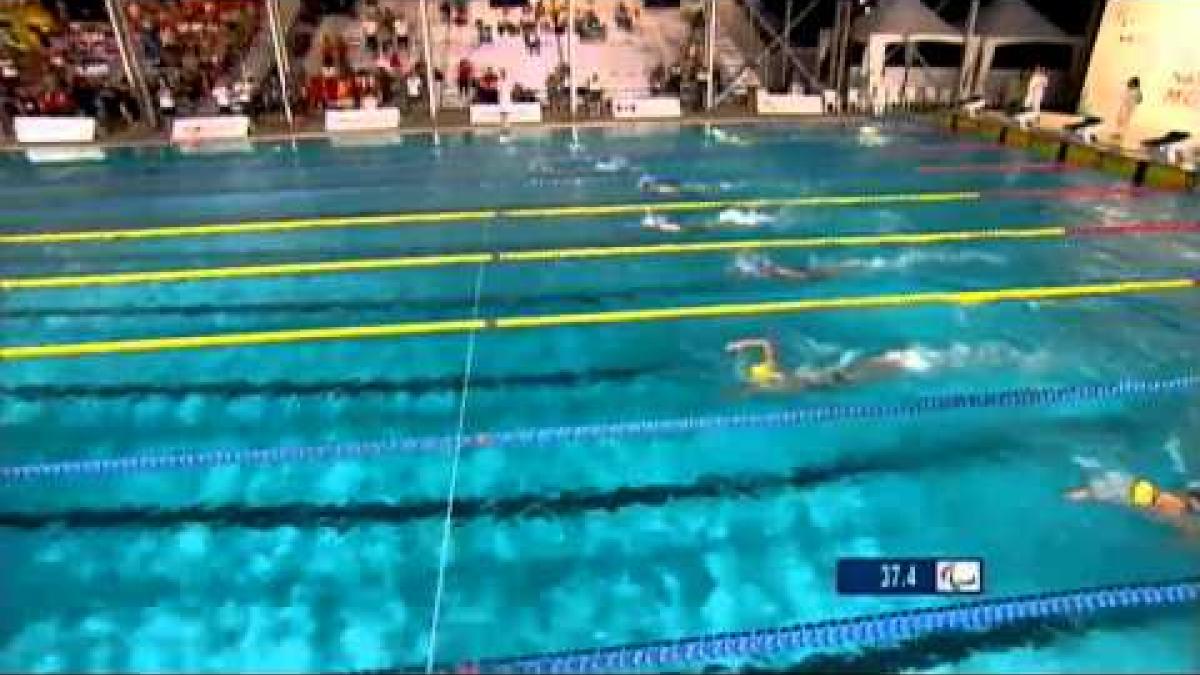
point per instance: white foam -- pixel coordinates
(1174, 448)
(987, 354)
(917, 257)
(661, 223)
(916, 360)
(611, 165)
(722, 136)
(744, 217)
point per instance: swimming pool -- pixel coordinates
(601, 540)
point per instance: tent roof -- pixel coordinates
(903, 17)
(1015, 19)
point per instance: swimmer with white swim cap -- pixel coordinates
(760, 266)
(766, 374)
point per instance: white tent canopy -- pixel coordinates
(1010, 22)
(906, 22)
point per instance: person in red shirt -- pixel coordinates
(314, 93)
(330, 91)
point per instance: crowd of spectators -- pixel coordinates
(191, 49)
(74, 70)
(531, 25)
(393, 78)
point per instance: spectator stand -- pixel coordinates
(68, 71)
(615, 51)
(367, 59)
(203, 57)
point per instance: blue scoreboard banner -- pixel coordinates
(910, 576)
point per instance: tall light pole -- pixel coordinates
(132, 67)
(572, 94)
(787, 42)
(427, 49)
(968, 63)
(280, 59)
(711, 41)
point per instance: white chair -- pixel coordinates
(829, 101)
(1025, 118)
(1172, 146)
(1086, 130)
(973, 106)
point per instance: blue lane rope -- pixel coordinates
(547, 436)
(878, 630)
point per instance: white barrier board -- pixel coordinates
(789, 104)
(517, 113)
(225, 127)
(362, 120)
(660, 107)
(55, 129)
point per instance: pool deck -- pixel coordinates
(451, 122)
(1048, 139)
(1051, 141)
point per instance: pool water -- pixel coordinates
(334, 566)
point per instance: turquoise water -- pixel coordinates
(333, 566)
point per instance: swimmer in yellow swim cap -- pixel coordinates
(1140, 494)
(764, 373)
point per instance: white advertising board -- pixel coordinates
(362, 120)
(658, 107)
(55, 129)
(789, 104)
(225, 127)
(516, 113)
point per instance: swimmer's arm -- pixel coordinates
(739, 345)
(1080, 494)
(768, 349)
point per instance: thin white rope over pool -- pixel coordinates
(452, 490)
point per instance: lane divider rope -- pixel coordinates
(593, 253)
(303, 335)
(482, 215)
(553, 437)
(879, 630)
(1082, 193)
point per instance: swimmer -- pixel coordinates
(742, 218)
(766, 374)
(1178, 508)
(659, 186)
(660, 223)
(759, 266)
(721, 136)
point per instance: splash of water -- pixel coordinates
(744, 217)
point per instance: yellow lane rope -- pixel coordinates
(591, 318)
(478, 215)
(545, 255)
